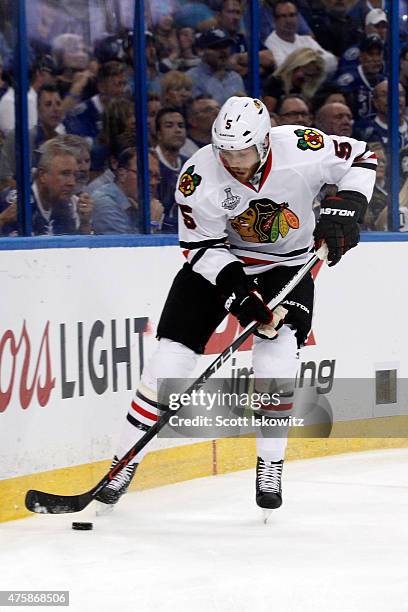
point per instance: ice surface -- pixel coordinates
(338, 544)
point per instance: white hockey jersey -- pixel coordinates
(268, 221)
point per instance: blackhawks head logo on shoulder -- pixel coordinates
(265, 221)
(309, 139)
(189, 180)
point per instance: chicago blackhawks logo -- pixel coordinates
(309, 139)
(265, 221)
(189, 181)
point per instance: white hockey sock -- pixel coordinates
(271, 449)
(170, 360)
(142, 415)
(275, 359)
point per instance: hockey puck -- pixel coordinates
(82, 526)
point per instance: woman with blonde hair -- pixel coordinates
(302, 72)
(176, 89)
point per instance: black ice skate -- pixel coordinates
(118, 486)
(268, 485)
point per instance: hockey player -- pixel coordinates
(246, 226)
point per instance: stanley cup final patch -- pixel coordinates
(309, 139)
(189, 181)
(231, 201)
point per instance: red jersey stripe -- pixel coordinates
(251, 260)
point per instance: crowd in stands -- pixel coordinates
(323, 65)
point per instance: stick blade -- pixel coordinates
(47, 503)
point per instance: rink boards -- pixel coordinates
(77, 325)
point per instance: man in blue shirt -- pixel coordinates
(116, 207)
(212, 76)
(86, 118)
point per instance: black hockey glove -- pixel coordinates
(337, 225)
(242, 300)
(249, 309)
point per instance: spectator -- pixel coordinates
(152, 65)
(70, 52)
(76, 80)
(153, 107)
(403, 77)
(229, 20)
(301, 72)
(212, 76)
(86, 118)
(110, 49)
(403, 159)
(378, 215)
(267, 21)
(49, 126)
(201, 114)
(171, 136)
(42, 72)
(108, 176)
(375, 218)
(176, 89)
(335, 119)
(118, 117)
(376, 22)
(55, 208)
(362, 7)
(54, 188)
(333, 28)
(359, 84)
(284, 40)
(82, 151)
(293, 110)
(187, 57)
(125, 140)
(156, 207)
(8, 212)
(156, 9)
(194, 14)
(376, 128)
(166, 42)
(4, 86)
(326, 94)
(116, 204)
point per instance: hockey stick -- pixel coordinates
(48, 503)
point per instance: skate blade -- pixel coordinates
(103, 509)
(266, 513)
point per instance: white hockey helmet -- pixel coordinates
(241, 123)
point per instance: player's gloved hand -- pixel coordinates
(337, 225)
(249, 308)
(270, 330)
(244, 302)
